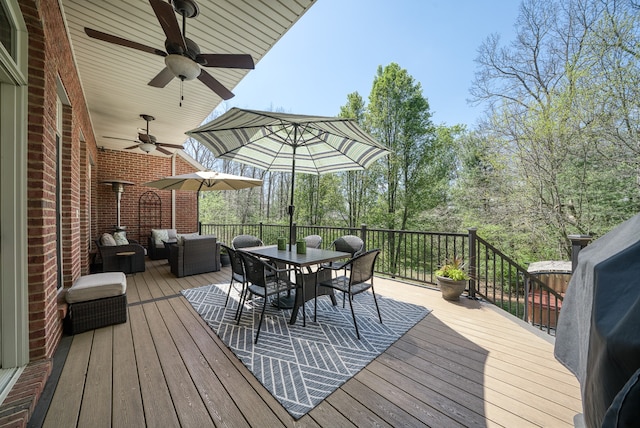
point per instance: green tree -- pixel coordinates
(545, 94)
(415, 172)
(358, 187)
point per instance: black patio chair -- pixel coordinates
(358, 277)
(263, 280)
(313, 241)
(237, 273)
(351, 244)
(244, 241)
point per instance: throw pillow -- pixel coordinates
(121, 238)
(160, 235)
(107, 240)
(181, 236)
(172, 234)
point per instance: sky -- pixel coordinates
(337, 46)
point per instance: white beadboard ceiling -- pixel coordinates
(114, 78)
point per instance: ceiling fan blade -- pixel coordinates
(161, 150)
(175, 146)
(213, 84)
(226, 60)
(122, 42)
(167, 18)
(121, 139)
(162, 79)
(132, 147)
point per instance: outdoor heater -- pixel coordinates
(118, 188)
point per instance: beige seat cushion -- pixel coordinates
(97, 286)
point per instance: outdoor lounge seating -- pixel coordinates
(128, 257)
(358, 278)
(194, 254)
(157, 249)
(96, 301)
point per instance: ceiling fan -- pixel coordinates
(147, 142)
(182, 57)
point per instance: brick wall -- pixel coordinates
(87, 207)
(49, 60)
(140, 168)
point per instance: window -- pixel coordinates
(6, 32)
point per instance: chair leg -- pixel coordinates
(264, 306)
(315, 304)
(304, 312)
(375, 300)
(241, 306)
(353, 314)
(243, 294)
(228, 293)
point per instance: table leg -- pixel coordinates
(307, 292)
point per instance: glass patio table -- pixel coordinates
(306, 282)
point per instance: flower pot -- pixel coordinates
(451, 289)
(225, 260)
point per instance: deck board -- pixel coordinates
(158, 407)
(127, 397)
(67, 399)
(96, 400)
(465, 364)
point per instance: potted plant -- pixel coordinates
(225, 260)
(452, 278)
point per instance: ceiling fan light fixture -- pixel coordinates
(182, 67)
(147, 147)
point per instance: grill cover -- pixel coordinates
(598, 335)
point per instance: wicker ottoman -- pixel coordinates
(96, 301)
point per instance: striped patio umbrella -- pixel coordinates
(289, 143)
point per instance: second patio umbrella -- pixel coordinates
(204, 180)
(289, 143)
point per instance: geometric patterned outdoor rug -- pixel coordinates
(300, 366)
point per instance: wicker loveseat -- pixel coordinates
(194, 254)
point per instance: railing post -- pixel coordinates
(472, 261)
(260, 231)
(578, 242)
(363, 235)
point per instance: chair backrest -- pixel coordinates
(313, 241)
(234, 258)
(362, 266)
(254, 269)
(243, 241)
(349, 244)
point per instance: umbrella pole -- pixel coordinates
(293, 180)
(198, 207)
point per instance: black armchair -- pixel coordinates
(128, 258)
(157, 249)
(194, 255)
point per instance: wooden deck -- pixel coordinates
(465, 364)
